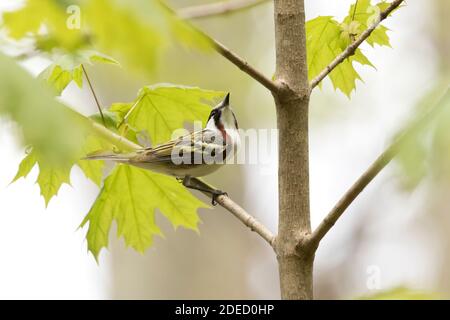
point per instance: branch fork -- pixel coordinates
(305, 244)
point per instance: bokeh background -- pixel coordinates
(396, 229)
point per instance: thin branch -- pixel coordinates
(93, 93)
(127, 115)
(245, 66)
(236, 60)
(379, 164)
(217, 8)
(350, 50)
(247, 219)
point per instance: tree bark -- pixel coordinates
(295, 264)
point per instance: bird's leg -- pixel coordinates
(197, 184)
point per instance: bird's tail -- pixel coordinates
(108, 155)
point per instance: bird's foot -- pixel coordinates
(196, 184)
(214, 194)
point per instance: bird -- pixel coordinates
(190, 156)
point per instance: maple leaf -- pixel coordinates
(326, 38)
(161, 109)
(130, 196)
(69, 67)
(365, 15)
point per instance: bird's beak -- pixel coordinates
(226, 100)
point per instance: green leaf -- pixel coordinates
(111, 119)
(130, 196)
(344, 77)
(25, 166)
(324, 43)
(120, 109)
(361, 58)
(93, 169)
(164, 108)
(57, 78)
(51, 178)
(365, 15)
(326, 39)
(114, 121)
(69, 67)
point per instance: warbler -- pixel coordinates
(194, 155)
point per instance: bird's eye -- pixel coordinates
(212, 114)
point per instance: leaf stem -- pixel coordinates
(93, 93)
(354, 10)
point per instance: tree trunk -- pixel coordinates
(295, 266)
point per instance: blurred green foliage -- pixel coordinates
(427, 154)
(402, 293)
(29, 20)
(135, 32)
(32, 106)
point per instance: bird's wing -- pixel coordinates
(191, 146)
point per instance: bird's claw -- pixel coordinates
(215, 194)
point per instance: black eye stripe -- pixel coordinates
(213, 112)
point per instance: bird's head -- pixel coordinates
(222, 116)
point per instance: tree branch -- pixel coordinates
(246, 218)
(245, 66)
(217, 8)
(236, 60)
(350, 50)
(379, 164)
